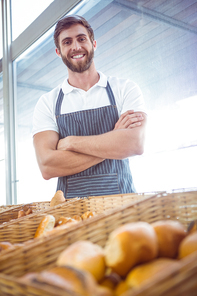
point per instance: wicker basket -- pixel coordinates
(24, 228)
(42, 253)
(174, 282)
(4, 208)
(11, 211)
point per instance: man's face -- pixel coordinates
(76, 49)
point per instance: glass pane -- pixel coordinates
(24, 13)
(2, 146)
(159, 57)
(1, 40)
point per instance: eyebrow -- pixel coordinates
(69, 38)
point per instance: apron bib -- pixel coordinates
(106, 178)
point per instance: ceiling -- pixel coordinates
(152, 42)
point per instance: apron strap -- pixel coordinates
(59, 103)
(110, 94)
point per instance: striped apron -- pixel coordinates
(106, 178)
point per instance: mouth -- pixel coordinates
(77, 56)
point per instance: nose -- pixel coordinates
(76, 45)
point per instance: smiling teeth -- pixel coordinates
(78, 56)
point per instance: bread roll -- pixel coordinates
(129, 245)
(57, 199)
(110, 280)
(64, 220)
(87, 214)
(29, 211)
(21, 213)
(5, 246)
(69, 279)
(76, 280)
(121, 288)
(170, 234)
(86, 256)
(188, 245)
(103, 291)
(192, 227)
(58, 229)
(141, 273)
(77, 218)
(47, 223)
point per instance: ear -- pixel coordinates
(94, 45)
(58, 52)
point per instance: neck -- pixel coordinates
(84, 80)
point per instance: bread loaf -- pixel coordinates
(57, 199)
(188, 245)
(69, 279)
(192, 226)
(121, 288)
(75, 280)
(146, 271)
(5, 246)
(169, 234)
(103, 291)
(110, 280)
(21, 213)
(47, 223)
(64, 220)
(86, 256)
(130, 244)
(77, 218)
(87, 214)
(29, 211)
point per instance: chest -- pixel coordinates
(79, 100)
(88, 122)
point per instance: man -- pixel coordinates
(85, 130)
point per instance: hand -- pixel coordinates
(64, 144)
(129, 119)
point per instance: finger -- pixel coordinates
(136, 124)
(130, 120)
(128, 112)
(124, 117)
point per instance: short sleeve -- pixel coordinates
(44, 115)
(132, 98)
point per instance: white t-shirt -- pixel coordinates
(127, 95)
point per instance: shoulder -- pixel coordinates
(48, 100)
(127, 93)
(122, 85)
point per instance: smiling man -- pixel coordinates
(83, 57)
(85, 129)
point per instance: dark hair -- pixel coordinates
(67, 22)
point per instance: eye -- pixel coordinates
(66, 42)
(82, 39)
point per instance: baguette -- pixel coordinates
(47, 223)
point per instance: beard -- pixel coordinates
(81, 66)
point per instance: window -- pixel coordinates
(152, 43)
(24, 13)
(1, 49)
(2, 145)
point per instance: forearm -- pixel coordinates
(116, 144)
(57, 163)
(64, 163)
